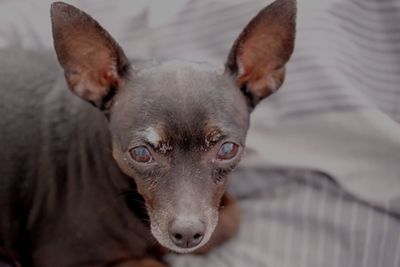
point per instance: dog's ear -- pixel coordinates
(258, 57)
(94, 64)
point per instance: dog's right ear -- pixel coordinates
(258, 57)
(95, 66)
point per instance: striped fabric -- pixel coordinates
(320, 185)
(299, 218)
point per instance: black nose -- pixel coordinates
(186, 234)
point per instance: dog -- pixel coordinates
(143, 169)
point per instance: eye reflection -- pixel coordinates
(228, 151)
(141, 154)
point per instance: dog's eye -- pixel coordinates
(141, 154)
(228, 151)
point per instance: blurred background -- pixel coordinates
(320, 184)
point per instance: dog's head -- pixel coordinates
(178, 128)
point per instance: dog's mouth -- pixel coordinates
(183, 234)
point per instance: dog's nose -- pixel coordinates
(186, 234)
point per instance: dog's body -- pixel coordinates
(58, 176)
(178, 128)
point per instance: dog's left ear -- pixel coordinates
(258, 57)
(94, 64)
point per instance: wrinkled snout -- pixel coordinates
(186, 233)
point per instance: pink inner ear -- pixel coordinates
(255, 62)
(92, 60)
(111, 78)
(260, 53)
(92, 70)
(262, 73)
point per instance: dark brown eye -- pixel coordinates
(228, 151)
(141, 154)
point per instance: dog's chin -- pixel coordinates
(161, 235)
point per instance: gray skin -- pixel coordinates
(65, 164)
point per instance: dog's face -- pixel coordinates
(178, 128)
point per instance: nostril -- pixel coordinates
(178, 237)
(197, 236)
